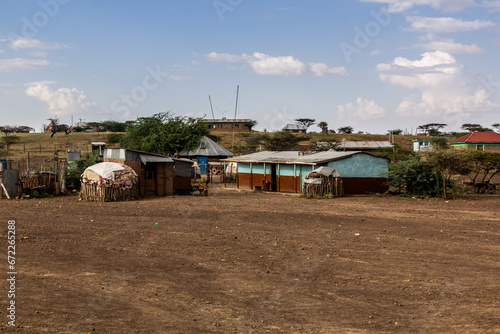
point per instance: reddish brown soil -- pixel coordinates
(252, 262)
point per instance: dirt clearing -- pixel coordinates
(253, 262)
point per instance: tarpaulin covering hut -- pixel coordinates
(323, 181)
(109, 181)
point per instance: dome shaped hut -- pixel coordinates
(109, 181)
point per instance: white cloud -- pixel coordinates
(443, 88)
(31, 43)
(433, 69)
(268, 65)
(451, 47)
(446, 24)
(445, 5)
(63, 101)
(322, 69)
(283, 65)
(363, 109)
(22, 64)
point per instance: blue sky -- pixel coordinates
(370, 64)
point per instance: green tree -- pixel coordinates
(114, 126)
(496, 126)
(440, 142)
(448, 163)
(414, 177)
(483, 166)
(395, 132)
(323, 126)
(474, 127)
(76, 168)
(432, 128)
(250, 124)
(164, 133)
(10, 140)
(305, 122)
(345, 129)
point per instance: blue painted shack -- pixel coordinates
(286, 171)
(206, 151)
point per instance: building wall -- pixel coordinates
(227, 127)
(361, 173)
(361, 165)
(486, 147)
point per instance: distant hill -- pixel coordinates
(41, 144)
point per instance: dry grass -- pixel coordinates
(41, 144)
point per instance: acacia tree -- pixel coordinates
(484, 166)
(474, 127)
(496, 126)
(164, 133)
(345, 129)
(432, 128)
(448, 163)
(305, 122)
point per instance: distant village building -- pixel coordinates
(294, 128)
(422, 145)
(286, 171)
(481, 141)
(228, 125)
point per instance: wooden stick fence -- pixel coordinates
(329, 186)
(103, 193)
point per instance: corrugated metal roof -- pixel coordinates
(365, 145)
(478, 137)
(207, 148)
(290, 157)
(294, 127)
(145, 158)
(227, 120)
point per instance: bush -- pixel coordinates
(76, 169)
(115, 138)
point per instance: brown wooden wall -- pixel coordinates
(283, 183)
(352, 185)
(364, 185)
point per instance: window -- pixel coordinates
(480, 147)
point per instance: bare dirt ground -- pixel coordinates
(252, 262)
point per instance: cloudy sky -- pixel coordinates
(370, 64)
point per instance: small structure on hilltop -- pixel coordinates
(109, 181)
(323, 181)
(294, 128)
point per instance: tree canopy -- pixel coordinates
(305, 122)
(473, 127)
(164, 133)
(345, 129)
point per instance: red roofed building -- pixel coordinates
(482, 141)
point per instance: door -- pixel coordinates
(202, 163)
(150, 179)
(274, 185)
